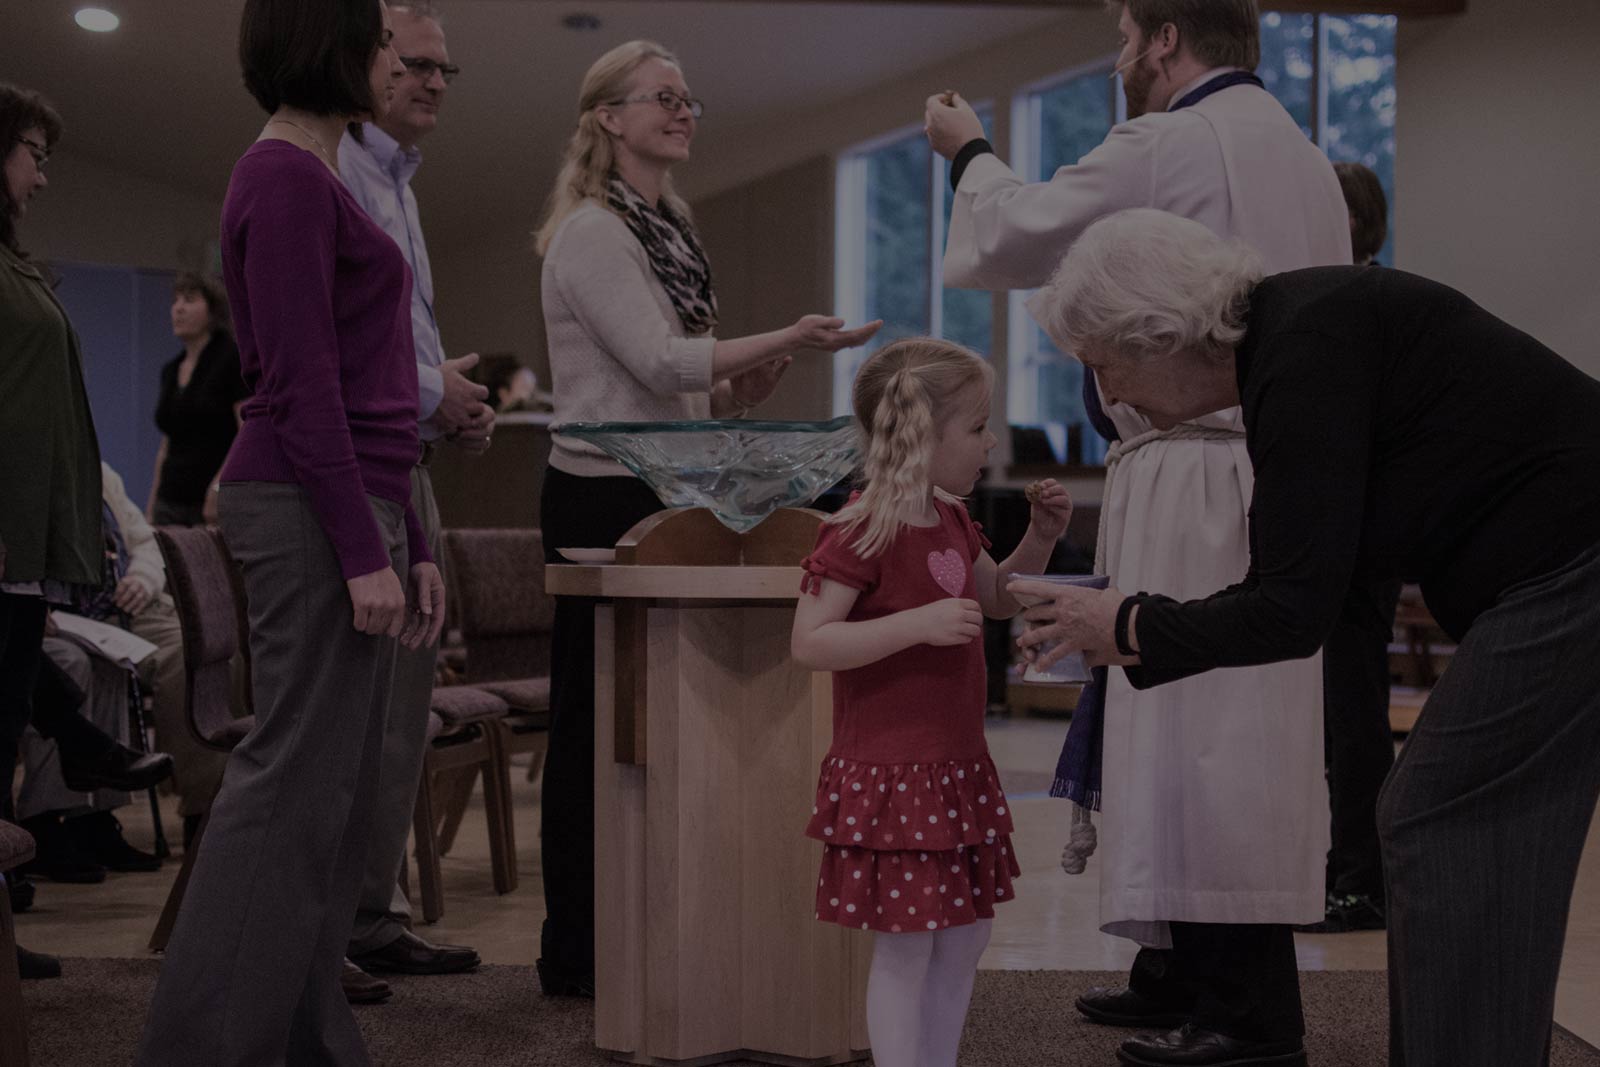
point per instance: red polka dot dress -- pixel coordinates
(915, 828)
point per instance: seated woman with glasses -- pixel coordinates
(630, 315)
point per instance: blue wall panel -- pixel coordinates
(122, 316)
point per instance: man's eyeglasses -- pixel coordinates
(41, 153)
(670, 102)
(424, 67)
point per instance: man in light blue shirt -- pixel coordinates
(376, 162)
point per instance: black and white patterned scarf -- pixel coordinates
(675, 255)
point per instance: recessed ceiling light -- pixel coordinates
(581, 21)
(96, 19)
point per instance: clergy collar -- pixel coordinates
(1185, 90)
(399, 163)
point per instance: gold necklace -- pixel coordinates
(321, 151)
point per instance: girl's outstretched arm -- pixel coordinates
(1051, 507)
(824, 640)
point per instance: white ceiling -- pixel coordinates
(162, 97)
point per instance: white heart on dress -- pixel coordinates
(949, 570)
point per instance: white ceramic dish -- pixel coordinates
(588, 555)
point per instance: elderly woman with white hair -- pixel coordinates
(1387, 417)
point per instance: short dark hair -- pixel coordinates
(1220, 33)
(193, 283)
(21, 110)
(1369, 209)
(310, 54)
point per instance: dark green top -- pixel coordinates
(49, 457)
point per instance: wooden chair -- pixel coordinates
(463, 745)
(207, 592)
(16, 848)
(506, 618)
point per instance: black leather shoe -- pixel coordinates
(34, 965)
(361, 988)
(1347, 912)
(554, 983)
(1190, 1046)
(99, 835)
(1124, 1007)
(410, 954)
(121, 768)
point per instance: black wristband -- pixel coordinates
(1120, 630)
(969, 151)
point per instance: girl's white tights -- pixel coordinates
(918, 992)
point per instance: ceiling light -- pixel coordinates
(96, 19)
(581, 21)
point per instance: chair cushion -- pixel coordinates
(16, 845)
(461, 704)
(520, 694)
(435, 726)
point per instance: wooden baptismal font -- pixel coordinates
(707, 748)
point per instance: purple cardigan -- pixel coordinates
(322, 308)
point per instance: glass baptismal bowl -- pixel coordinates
(741, 470)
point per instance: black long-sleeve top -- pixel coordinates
(198, 419)
(1397, 430)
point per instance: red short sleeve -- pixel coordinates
(976, 541)
(835, 558)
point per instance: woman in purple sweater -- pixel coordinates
(315, 504)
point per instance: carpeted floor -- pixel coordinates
(91, 1018)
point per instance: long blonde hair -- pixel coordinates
(902, 394)
(590, 156)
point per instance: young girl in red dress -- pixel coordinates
(915, 827)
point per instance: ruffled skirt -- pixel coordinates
(911, 847)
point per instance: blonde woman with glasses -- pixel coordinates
(631, 317)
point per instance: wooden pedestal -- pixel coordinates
(708, 948)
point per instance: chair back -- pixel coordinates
(200, 575)
(505, 614)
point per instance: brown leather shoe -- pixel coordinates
(361, 988)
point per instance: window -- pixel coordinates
(1356, 119)
(888, 244)
(1054, 126)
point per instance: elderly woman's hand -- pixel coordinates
(1081, 619)
(950, 123)
(828, 333)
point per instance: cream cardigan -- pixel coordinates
(617, 350)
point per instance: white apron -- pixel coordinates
(1214, 804)
(1214, 807)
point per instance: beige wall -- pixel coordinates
(486, 293)
(770, 242)
(94, 213)
(1498, 165)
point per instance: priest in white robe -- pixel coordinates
(1215, 816)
